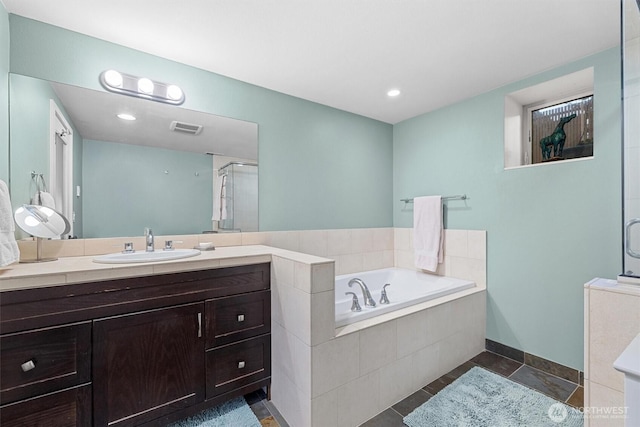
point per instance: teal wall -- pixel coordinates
(30, 139)
(550, 228)
(125, 189)
(4, 94)
(29, 134)
(313, 159)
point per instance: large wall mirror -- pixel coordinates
(113, 177)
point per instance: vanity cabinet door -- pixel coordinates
(148, 364)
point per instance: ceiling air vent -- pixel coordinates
(185, 127)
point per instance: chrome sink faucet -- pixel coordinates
(368, 301)
(148, 234)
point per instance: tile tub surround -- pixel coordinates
(319, 373)
(319, 378)
(611, 322)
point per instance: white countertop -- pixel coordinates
(82, 269)
(629, 361)
(612, 286)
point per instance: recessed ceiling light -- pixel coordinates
(393, 93)
(125, 116)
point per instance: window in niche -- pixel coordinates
(550, 121)
(561, 131)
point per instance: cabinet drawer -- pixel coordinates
(67, 408)
(236, 318)
(44, 360)
(237, 365)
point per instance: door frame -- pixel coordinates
(60, 128)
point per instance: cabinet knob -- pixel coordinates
(240, 317)
(241, 365)
(27, 366)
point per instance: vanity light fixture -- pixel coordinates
(393, 93)
(142, 87)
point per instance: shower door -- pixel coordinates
(631, 120)
(240, 197)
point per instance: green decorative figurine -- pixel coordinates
(556, 139)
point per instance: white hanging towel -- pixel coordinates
(9, 252)
(219, 202)
(428, 232)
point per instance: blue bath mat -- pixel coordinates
(234, 413)
(481, 398)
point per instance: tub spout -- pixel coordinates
(368, 301)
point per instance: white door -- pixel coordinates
(61, 163)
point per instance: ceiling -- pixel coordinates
(348, 53)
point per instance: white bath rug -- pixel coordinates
(481, 398)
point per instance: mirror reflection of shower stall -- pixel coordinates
(631, 132)
(236, 197)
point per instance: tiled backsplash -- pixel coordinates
(354, 250)
(465, 253)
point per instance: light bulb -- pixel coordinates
(174, 92)
(113, 78)
(145, 86)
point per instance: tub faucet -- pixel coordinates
(368, 301)
(148, 234)
(355, 305)
(383, 295)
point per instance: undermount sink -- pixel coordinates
(131, 257)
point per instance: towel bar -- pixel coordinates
(458, 197)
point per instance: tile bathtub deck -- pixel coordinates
(550, 385)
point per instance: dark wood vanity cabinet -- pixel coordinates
(137, 351)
